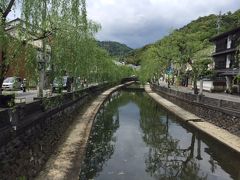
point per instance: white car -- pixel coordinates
(12, 83)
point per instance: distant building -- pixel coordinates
(226, 61)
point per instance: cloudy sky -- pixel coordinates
(139, 22)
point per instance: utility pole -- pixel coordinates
(219, 20)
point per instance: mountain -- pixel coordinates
(115, 49)
(200, 30)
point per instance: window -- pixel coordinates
(229, 42)
(228, 61)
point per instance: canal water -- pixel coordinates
(136, 139)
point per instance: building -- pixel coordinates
(226, 59)
(15, 29)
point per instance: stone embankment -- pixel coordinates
(66, 163)
(223, 113)
(30, 133)
(223, 136)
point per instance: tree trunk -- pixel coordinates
(195, 89)
(3, 68)
(1, 82)
(201, 87)
(1, 58)
(43, 65)
(168, 81)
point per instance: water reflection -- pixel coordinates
(101, 144)
(133, 138)
(166, 158)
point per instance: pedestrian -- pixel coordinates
(24, 85)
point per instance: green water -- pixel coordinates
(134, 138)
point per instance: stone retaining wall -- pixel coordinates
(30, 133)
(66, 164)
(225, 114)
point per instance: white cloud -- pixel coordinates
(137, 22)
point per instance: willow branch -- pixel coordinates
(45, 35)
(9, 7)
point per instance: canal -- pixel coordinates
(134, 138)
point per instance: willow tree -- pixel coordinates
(150, 65)
(65, 33)
(200, 65)
(63, 25)
(9, 48)
(71, 37)
(158, 59)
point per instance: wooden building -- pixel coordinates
(226, 59)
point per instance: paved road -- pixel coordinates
(31, 94)
(220, 95)
(23, 96)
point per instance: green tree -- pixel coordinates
(65, 32)
(9, 48)
(199, 64)
(62, 25)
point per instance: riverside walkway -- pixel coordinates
(215, 95)
(66, 163)
(219, 134)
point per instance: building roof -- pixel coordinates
(224, 34)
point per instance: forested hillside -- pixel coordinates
(199, 30)
(114, 48)
(187, 46)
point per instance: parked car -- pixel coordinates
(62, 83)
(12, 83)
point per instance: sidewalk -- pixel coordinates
(29, 95)
(215, 95)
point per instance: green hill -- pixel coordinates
(115, 49)
(199, 30)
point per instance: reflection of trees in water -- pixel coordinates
(101, 143)
(166, 160)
